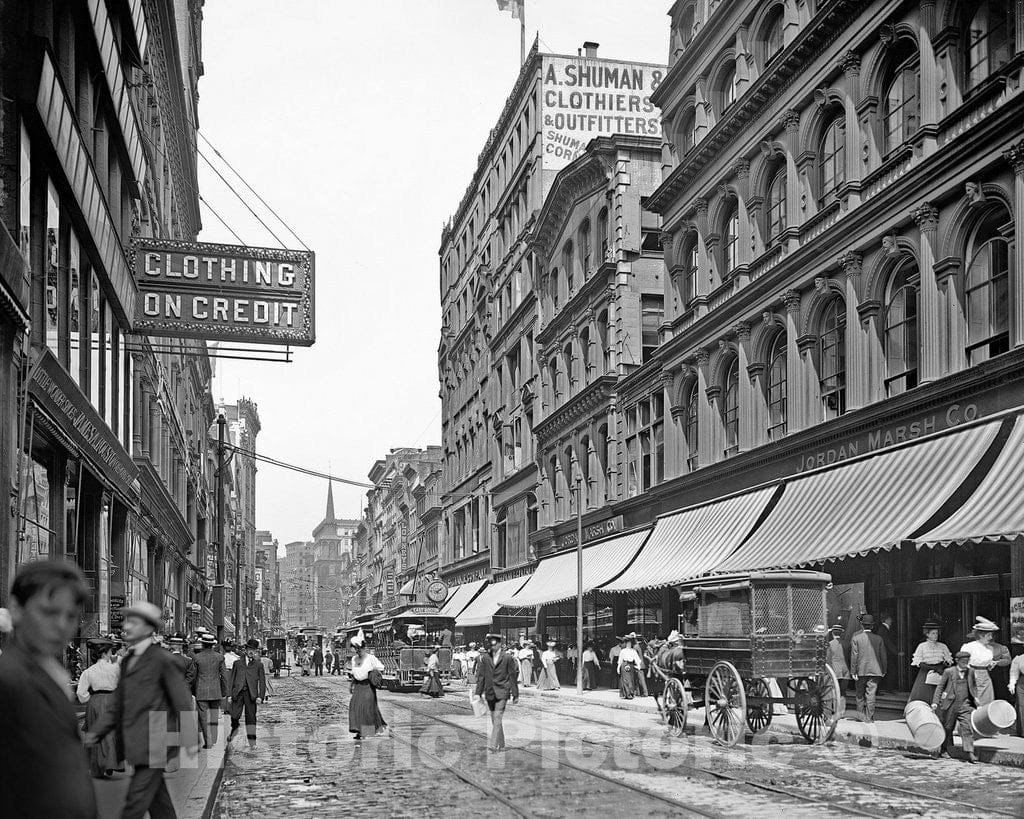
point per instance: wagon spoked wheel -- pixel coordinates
(676, 709)
(817, 706)
(725, 703)
(759, 705)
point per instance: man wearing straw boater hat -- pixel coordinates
(954, 700)
(152, 681)
(497, 682)
(211, 687)
(867, 665)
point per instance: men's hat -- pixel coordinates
(984, 624)
(837, 628)
(207, 639)
(930, 624)
(631, 636)
(866, 619)
(674, 636)
(145, 610)
(100, 642)
(177, 639)
(472, 645)
(551, 644)
(358, 639)
(493, 638)
(251, 643)
(960, 654)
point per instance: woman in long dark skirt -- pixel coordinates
(364, 717)
(96, 689)
(930, 659)
(432, 682)
(629, 669)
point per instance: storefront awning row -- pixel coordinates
(555, 578)
(486, 604)
(460, 597)
(690, 543)
(866, 505)
(995, 511)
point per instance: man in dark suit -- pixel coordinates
(248, 684)
(892, 650)
(152, 681)
(318, 662)
(497, 682)
(954, 701)
(211, 686)
(44, 770)
(867, 666)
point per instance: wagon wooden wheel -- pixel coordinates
(817, 705)
(759, 705)
(676, 708)
(725, 703)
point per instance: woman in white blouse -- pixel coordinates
(548, 680)
(364, 717)
(930, 659)
(525, 657)
(95, 689)
(983, 660)
(629, 667)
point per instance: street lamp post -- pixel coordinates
(579, 583)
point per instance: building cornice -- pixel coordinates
(591, 397)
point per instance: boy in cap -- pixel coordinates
(954, 700)
(151, 682)
(248, 684)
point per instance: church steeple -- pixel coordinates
(330, 500)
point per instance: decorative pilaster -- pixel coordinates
(858, 374)
(929, 78)
(797, 387)
(751, 400)
(854, 167)
(790, 121)
(709, 420)
(932, 326)
(1015, 156)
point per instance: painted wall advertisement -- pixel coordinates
(227, 292)
(1016, 613)
(585, 98)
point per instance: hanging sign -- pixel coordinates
(217, 292)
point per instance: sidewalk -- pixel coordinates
(889, 734)
(193, 786)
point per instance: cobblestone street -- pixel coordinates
(570, 759)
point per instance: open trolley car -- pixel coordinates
(741, 630)
(401, 639)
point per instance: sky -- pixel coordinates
(360, 123)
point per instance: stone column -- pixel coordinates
(929, 78)
(858, 374)
(154, 430)
(704, 262)
(709, 418)
(790, 121)
(749, 400)
(673, 433)
(746, 71)
(701, 113)
(931, 318)
(796, 389)
(746, 228)
(853, 167)
(1015, 156)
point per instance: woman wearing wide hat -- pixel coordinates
(432, 682)
(629, 668)
(548, 675)
(96, 689)
(931, 658)
(983, 659)
(364, 716)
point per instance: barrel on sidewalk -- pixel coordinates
(924, 725)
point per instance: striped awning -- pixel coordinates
(555, 578)
(459, 599)
(690, 543)
(486, 604)
(872, 503)
(995, 511)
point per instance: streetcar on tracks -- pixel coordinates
(739, 633)
(401, 640)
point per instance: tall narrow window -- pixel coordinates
(692, 429)
(777, 203)
(901, 338)
(777, 395)
(569, 264)
(832, 348)
(602, 233)
(24, 196)
(986, 292)
(652, 314)
(989, 40)
(553, 284)
(586, 362)
(731, 407)
(74, 296)
(603, 342)
(686, 25)
(731, 239)
(584, 243)
(645, 443)
(903, 95)
(726, 87)
(690, 268)
(53, 265)
(772, 35)
(95, 341)
(686, 134)
(832, 158)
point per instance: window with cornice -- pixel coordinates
(989, 39)
(568, 263)
(832, 158)
(731, 238)
(986, 290)
(602, 233)
(583, 239)
(771, 35)
(901, 332)
(692, 429)
(731, 406)
(776, 387)
(902, 103)
(776, 202)
(832, 358)
(645, 444)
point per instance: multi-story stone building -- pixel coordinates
(840, 368)
(243, 428)
(268, 584)
(427, 536)
(97, 145)
(487, 358)
(334, 541)
(297, 582)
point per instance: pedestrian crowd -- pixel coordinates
(147, 697)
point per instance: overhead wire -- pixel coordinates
(239, 196)
(295, 468)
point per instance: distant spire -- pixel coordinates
(330, 500)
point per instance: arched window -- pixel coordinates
(584, 242)
(771, 35)
(556, 380)
(832, 355)
(686, 133)
(902, 95)
(586, 362)
(570, 366)
(731, 239)
(602, 340)
(569, 474)
(501, 525)
(685, 26)
(989, 43)
(601, 448)
(583, 459)
(986, 293)
(602, 233)
(569, 264)
(688, 290)
(692, 429)
(553, 291)
(832, 158)
(726, 86)
(531, 513)
(901, 339)
(777, 377)
(731, 407)
(777, 203)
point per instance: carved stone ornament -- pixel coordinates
(767, 318)
(851, 263)
(701, 206)
(791, 298)
(741, 169)
(742, 330)
(890, 247)
(974, 194)
(887, 35)
(849, 63)
(926, 216)
(1015, 156)
(722, 344)
(790, 120)
(666, 241)
(821, 284)
(703, 357)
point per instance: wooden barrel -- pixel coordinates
(924, 725)
(990, 719)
